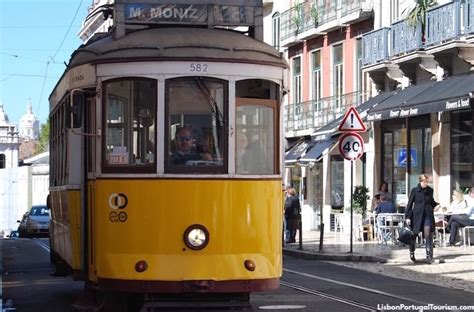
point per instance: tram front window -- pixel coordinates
(196, 114)
(130, 124)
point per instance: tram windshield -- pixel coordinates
(195, 115)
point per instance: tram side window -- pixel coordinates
(130, 125)
(256, 150)
(196, 114)
(58, 144)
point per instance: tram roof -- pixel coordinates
(180, 44)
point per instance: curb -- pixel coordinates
(354, 257)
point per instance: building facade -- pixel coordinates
(323, 43)
(410, 81)
(426, 126)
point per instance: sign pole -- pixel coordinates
(352, 173)
(351, 146)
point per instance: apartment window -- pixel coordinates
(296, 79)
(338, 75)
(316, 79)
(2, 161)
(276, 30)
(359, 76)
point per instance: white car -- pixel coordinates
(38, 221)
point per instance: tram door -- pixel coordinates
(87, 194)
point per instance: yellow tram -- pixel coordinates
(166, 159)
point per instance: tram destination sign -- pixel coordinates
(195, 14)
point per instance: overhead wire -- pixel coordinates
(54, 55)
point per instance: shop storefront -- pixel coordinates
(426, 128)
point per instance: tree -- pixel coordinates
(417, 11)
(43, 144)
(359, 200)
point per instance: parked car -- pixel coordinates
(38, 220)
(22, 226)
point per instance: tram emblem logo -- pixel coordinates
(118, 201)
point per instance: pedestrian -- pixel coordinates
(419, 215)
(292, 215)
(462, 218)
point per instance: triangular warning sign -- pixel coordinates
(352, 121)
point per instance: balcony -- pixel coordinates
(310, 19)
(305, 117)
(445, 23)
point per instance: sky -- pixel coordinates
(37, 38)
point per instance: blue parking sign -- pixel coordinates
(402, 157)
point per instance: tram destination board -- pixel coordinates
(193, 14)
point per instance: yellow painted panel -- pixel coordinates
(66, 231)
(243, 218)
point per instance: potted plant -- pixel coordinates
(298, 16)
(314, 12)
(359, 200)
(417, 12)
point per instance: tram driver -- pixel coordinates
(185, 149)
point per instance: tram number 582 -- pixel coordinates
(351, 146)
(198, 68)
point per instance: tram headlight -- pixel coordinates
(196, 237)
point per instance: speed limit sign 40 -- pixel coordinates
(351, 146)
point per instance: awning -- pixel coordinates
(296, 151)
(452, 93)
(361, 109)
(316, 152)
(391, 107)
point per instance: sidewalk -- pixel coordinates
(453, 267)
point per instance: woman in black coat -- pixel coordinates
(419, 215)
(292, 215)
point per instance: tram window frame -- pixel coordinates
(59, 142)
(257, 93)
(252, 134)
(188, 119)
(131, 128)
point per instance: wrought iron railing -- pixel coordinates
(405, 37)
(375, 46)
(443, 23)
(311, 14)
(315, 114)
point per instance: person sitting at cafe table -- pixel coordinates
(457, 206)
(461, 219)
(385, 206)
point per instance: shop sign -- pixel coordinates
(402, 158)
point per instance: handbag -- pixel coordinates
(405, 235)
